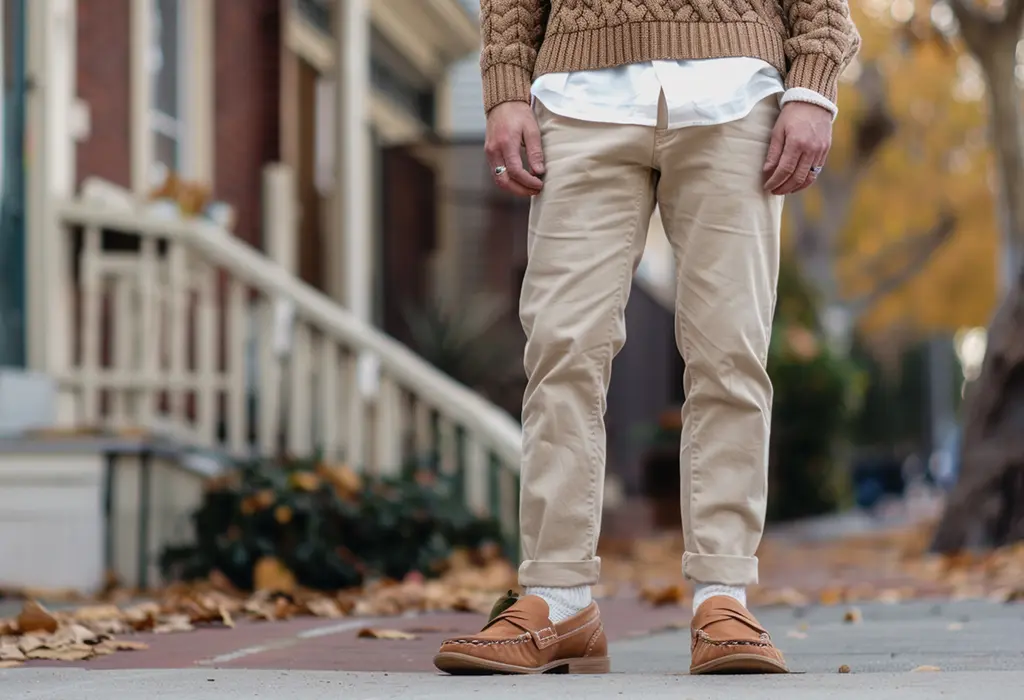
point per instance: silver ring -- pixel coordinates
(816, 169)
(499, 170)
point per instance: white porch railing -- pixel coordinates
(181, 325)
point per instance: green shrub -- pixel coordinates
(817, 392)
(330, 528)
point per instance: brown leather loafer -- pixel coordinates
(522, 639)
(725, 638)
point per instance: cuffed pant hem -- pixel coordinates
(712, 568)
(560, 574)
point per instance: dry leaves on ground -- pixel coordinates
(887, 567)
(87, 632)
(39, 634)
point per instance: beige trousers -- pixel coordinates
(587, 233)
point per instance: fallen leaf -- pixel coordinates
(844, 669)
(368, 633)
(270, 574)
(853, 616)
(35, 618)
(890, 596)
(786, 597)
(226, 618)
(97, 613)
(667, 595)
(324, 607)
(795, 634)
(926, 669)
(31, 642)
(173, 623)
(125, 645)
(11, 652)
(66, 654)
(831, 596)
(1009, 595)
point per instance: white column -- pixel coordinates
(280, 216)
(199, 103)
(141, 29)
(355, 183)
(51, 175)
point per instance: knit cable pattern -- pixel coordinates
(809, 41)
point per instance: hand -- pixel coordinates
(510, 126)
(800, 141)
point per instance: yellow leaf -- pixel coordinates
(272, 575)
(283, 514)
(345, 480)
(831, 596)
(304, 481)
(926, 669)
(844, 669)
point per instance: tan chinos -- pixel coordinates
(588, 229)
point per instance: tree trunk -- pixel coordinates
(986, 508)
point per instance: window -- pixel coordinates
(393, 75)
(316, 12)
(167, 107)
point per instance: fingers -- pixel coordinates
(775, 148)
(504, 181)
(514, 162)
(503, 149)
(534, 151)
(788, 161)
(801, 176)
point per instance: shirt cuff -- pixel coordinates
(802, 94)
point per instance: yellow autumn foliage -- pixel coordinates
(938, 160)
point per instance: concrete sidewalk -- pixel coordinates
(977, 647)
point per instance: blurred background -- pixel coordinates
(263, 233)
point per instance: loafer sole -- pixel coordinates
(458, 664)
(739, 664)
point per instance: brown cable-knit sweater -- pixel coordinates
(809, 41)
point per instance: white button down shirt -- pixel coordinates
(697, 92)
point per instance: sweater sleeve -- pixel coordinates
(823, 40)
(512, 34)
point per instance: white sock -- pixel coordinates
(703, 591)
(563, 603)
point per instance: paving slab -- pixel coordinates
(321, 685)
(978, 647)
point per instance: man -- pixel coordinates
(637, 103)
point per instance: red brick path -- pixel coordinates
(332, 645)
